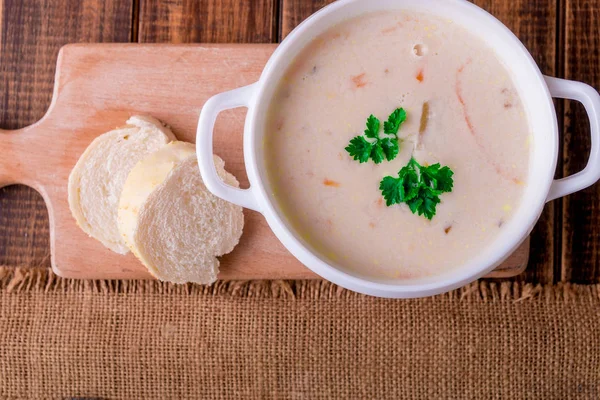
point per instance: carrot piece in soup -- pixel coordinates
(329, 182)
(359, 80)
(420, 75)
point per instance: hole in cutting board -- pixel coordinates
(228, 142)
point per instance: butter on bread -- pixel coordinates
(170, 220)
(96, 181)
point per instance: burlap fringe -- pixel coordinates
(27, 279)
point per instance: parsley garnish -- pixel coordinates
(418, 186)
(379, 148)
(394, 121)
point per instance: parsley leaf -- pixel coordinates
(440, 178)
(418, 186)
(401, 189)
(372, 130)
(359, 149)
(377, 153)
(380, 148)
(410, 181)
(394, 121)
(390, 147)
(425, 202)
(392, 190)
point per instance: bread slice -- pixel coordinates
(97, 179)
(171, 222)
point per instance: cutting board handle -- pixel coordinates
(19, 156)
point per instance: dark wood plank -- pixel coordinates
(32, 31)
(295, 11)
(581, 211)
(534, 22)
(208, 21)
(24, 231)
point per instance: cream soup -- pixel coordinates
(473, 122)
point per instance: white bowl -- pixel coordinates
(536, 92)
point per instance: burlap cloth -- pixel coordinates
(299, 340)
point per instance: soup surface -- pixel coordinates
(463, 112)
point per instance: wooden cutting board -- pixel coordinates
(97, 87)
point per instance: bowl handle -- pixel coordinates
(590, 99)
(240, 97)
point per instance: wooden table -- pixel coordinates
(562, 35)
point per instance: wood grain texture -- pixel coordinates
(207, 21)
(24, 228)
(581, 211)
(295, 11)
(32, 31)
(44, 154)
(534, 22)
